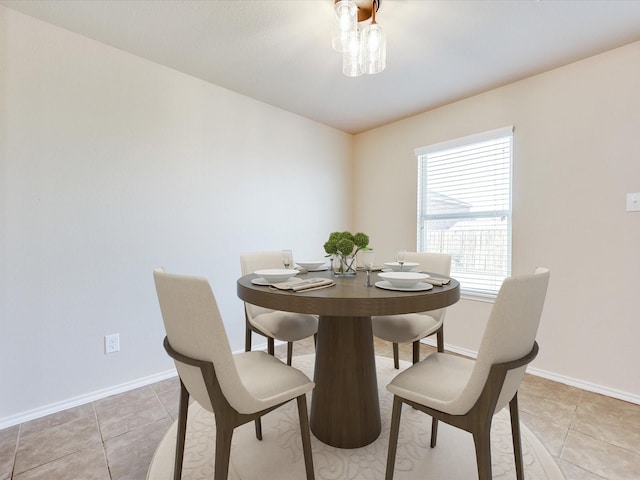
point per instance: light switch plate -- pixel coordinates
(633, 202)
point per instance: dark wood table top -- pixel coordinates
(349, 297)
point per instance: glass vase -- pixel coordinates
(343, 266)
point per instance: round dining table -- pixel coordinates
(345, 410)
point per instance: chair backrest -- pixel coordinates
(250, 262)
(194, 328)
(439, 263)
(431, 261)
(510, 333)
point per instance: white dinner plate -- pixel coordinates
(262, 282)
(412, 269)
(419, 287)
(321, 269)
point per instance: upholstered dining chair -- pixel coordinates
(237, 388)
(467, 393)
(413, 327)
(273, 324)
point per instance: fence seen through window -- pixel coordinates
(464, 207)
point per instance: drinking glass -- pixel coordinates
(368, 257)
(287, 259)
(400, 257)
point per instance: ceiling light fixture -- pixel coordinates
(364, 48)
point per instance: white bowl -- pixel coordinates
(403, 279)
(276, 275)
(406, 267)
(311, 264)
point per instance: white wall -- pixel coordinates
(576, 155)
(111, 165)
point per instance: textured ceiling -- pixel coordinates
(279, 51)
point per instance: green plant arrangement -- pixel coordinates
(344, 246)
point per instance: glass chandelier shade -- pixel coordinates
(374, 49)
(352, 65)
(364, 48)
(345, 24)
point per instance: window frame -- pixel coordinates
(486, 294)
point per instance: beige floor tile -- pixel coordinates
(302, 348)
(133, 450)
(551, 409)
(572, 472)
(128, 416)
(550, 434)
(611, 420)
(169, 395)
(58, 418)
(600, 458)
(614, 407)
(139, 474)
(86, 464)
(168, 384)
(548, 389)
(170, 400)
(142, 393)
(8, 442)
(56, 442)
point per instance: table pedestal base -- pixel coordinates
(345, 411)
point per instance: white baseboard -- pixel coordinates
(581, 384)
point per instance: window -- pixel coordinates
(464, 207)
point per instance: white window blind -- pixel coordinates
(464, 207)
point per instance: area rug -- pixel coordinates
(279, 455)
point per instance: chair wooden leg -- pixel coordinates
(289, 352)
(434, 431)
(306, 436)
(247, 340)
(416, 351)
(393, 437)
(224, 434)
(271, 346)
(482, 441)
(515, 433)
(182, 431)
(396, 356)
(258, 423)
(440, 339)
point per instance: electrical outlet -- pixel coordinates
(112, 343)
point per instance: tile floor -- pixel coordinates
(590, 436)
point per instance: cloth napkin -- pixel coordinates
(304, 285)
(438, 282)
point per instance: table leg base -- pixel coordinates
(345, 410)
